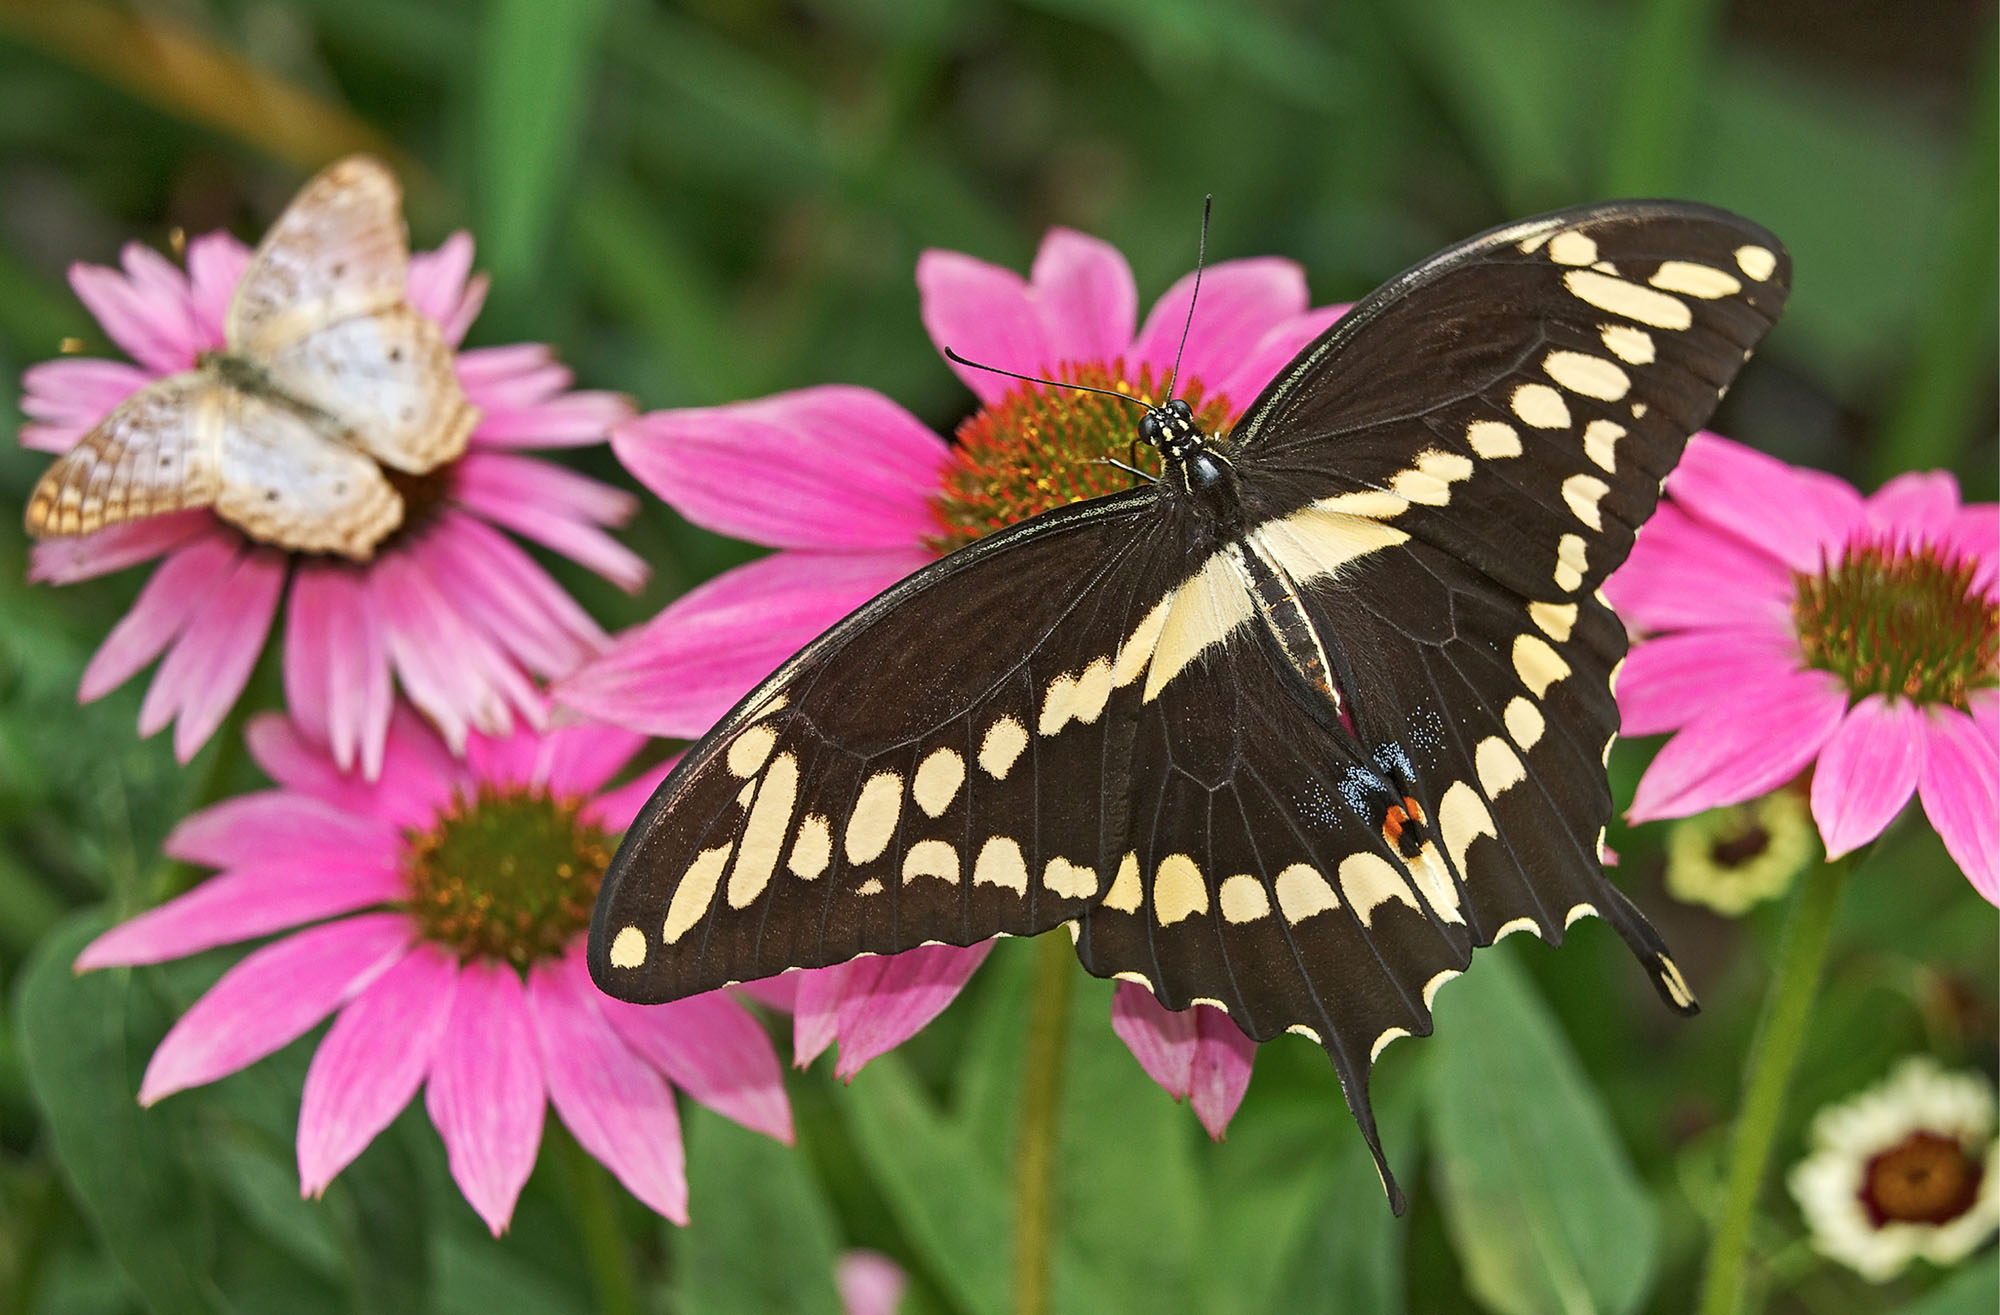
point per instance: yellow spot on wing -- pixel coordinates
(1078, 698)
(1206, 610)
(1493, 439)
(1538, 665)
(1001, 745)
(764, 832)
(1436, 984)
(1607, 292)
(694, 894)
(1572, 248)
(1694, 280)
(1382, 1042)
(1137, 650)
(628, 948)
(1756, 262)
(1571, 562)
(1582, 493)
(937, 781)
(931, 858)
(1368, 880)
(1540, 406)
(1126, 894)
(1178, 890)
(1600, 441)
(1590, 376)
(1313, 542)
(1524, 723)
(812, 849)
(1555, 620)
(748, 750)
(1633, 346)
(1499, 767)
(1069, 880)
(1000, 864)
(1462, 818)
(873, 820)
(1242, 898)
(1302, 892)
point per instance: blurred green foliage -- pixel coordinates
(710, 200)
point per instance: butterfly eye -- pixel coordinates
(1182, 411)
(1149, 428)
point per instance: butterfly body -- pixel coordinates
(327, 379)
(1291, 730)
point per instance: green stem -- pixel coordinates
(1035, 1149)
(595, 1209)
(1774, 1054)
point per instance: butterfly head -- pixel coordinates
(1170, 427)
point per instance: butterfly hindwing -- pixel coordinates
(287, 483)
(158, 451)
(387, 383)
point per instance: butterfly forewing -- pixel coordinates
(338, 251)
(1296, 762)
(158, 451)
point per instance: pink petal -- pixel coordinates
(73, 393)
(407, 796)
(1801, 517)
(437, 278)
(510, 597)
(457, 676)
(780, 993)
(614, 809)
(66, 561)
(1743, 746)
(1220, 1073)
(869, 1283)
(485, 1090)
(833, 467)
(215, 262)
(210, 663)
(1867, 771)
(1084, 297)
(254, 900)
(816, 997)
(570, 420)
(251, 828)
(1683, 572)
(372, 1061)
(619, 1109)
(1960, 787)
(496, 372)
(1669, 681)
(986, 314)
(1975, 532)
(1241, 301)
(337, 678)
(555, 508)
(888, 1000)
(678, 673)
(189, 577)
(1161, 1039)
(273, 997)
(712, 1048)
(1243, 381)
(1914, 507)
(153, 331)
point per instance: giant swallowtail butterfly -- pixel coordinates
(1291, 731)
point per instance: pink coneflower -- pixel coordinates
(1796, 623)
(451, 609)
(856, 493)
(438, 912)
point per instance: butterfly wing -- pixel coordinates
(284, 482)
(901, 780)
(158, 451)
(321, 309)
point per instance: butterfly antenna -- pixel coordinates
(951, 355)
(1200, 257)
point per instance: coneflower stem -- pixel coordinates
(594, 1207)
(1035, 1142)
(1774, 1054)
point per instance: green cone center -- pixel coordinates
(1904, 621)
(1041, 447)
(509, 873)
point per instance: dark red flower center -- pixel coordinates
(424, 497)
(1898, 619)
(1042, 447)
(509, 873)
(1923, 1179)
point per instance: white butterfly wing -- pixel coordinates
(284, 482)
(388, 384)
(159, 451)
(321, 310)
(338, 251)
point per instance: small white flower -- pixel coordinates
(1734, 858)
(1907, 1168)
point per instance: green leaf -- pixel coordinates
(85, 1041)
(1974, 1290)
(1346, 1252)
(761, 1236)
(536, 61)
(1540, 1198)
